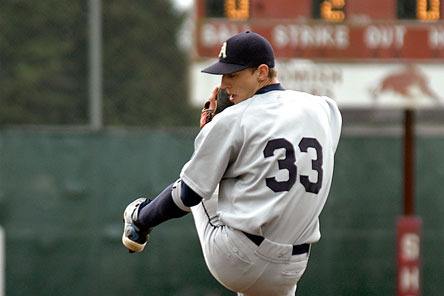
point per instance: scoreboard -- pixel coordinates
(330, 10)
(361, 53)
(343, 30)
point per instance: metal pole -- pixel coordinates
(2, 262)
(95, 64)
(409, 226)
(409, 163)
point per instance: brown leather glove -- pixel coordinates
(218, 102)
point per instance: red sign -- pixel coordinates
(327, 10)
(327, 41)
(409, 256)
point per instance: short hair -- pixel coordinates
(272, 72)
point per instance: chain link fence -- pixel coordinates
(46, 53)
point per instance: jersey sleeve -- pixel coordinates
(214, 148)
(335, 119)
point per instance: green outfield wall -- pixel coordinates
(62, 194)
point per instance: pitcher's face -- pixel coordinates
(241, 85)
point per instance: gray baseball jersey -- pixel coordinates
(272, 156)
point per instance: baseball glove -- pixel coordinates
(216, 104)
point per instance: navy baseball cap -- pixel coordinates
(241, 51)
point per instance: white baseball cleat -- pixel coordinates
(134, 238)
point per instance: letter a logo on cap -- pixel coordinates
(223, 51)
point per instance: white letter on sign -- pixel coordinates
(409, 279)
(410, 246)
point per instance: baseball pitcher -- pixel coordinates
(258, 179)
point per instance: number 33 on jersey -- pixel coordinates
(288, 163)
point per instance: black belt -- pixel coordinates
(297, 249)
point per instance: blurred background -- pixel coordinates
(100, 102)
